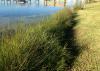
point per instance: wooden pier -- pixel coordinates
(37, 2)
(10, 2)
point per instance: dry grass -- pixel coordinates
(88, 36)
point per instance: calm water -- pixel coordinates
(13, 12)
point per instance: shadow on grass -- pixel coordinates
(66, 34)
(72, 47)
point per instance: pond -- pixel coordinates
(11, 12)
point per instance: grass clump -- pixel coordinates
(40, 47)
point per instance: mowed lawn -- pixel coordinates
(88, 36)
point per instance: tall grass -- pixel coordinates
(38, 47)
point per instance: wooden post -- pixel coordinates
(54, 2)
(46, 3)
(16, 1)
(30, 2)
(64, 2)
(4, 2)
(10, 2)
(38, 2)
(7, 2)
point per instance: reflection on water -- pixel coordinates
(11, 11)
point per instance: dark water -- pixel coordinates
(10, 13)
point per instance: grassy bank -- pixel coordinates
(41, 47)
(65, 41)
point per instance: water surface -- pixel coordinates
(24, 12)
